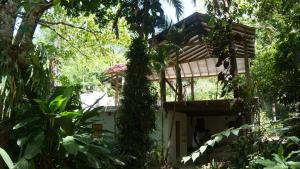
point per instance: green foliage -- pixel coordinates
(137, 119)
(277, 59)
(15, 83)
(103, 9)
(82, 55)
(282, 159)
(216, 138)
(6, 158)
(54, 133)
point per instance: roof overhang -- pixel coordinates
(195, 58)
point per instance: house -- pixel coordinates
(184, 124)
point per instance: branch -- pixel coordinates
(61, 36)
(43, 22)
(29, 22)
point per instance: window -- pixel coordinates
(97, 129)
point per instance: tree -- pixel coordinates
(19, 20)
(23, 75)
(83, 52)
(137, 119)
(278, 44)
(142, 16)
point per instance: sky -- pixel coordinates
(189, 8)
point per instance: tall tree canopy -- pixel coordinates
(19, 21)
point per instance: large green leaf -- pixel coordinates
(211, 143)
(280, 152)
(278, 166)
(91, 113)
(58, 103)
(24, 140)
(70, 114)
(6, 158)
(202, 149)
(25, 122)
(34, 146)
(195, 155)
(218, 138)
(278, 158)
(235, 131)
(92, 160)
(186, 159)
(265, 162)
(66, 125)
(42, 105)
(60, 99)
(294, 139)
(22, 164)
(293, 164)
(226, 132)
(83, 138)
(292, 153)
(70, 145)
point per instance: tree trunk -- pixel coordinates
(14, 47)
(15, 44)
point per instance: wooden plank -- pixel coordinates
(247, 69)
(205, 107)
(172, 87)
(186, 53)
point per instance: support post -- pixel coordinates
(163, 86)
(117, 91)
(192, 89)
(247, 69)
(178, 78)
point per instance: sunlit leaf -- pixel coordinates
(70, 145)
(22, 164)
(218, 138)
(235, 131)
(25, 122)
(195, 155)
(6, 158)
(186, 159)
(202, 149)
(34, 146)
(226, 133)
(293, 164)
(265, 162)
(211, 142)
(294, 139)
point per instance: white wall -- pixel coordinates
(183, 134)
(213, 123)
(107, 119)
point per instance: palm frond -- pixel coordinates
(194, 2)
(177, 4)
